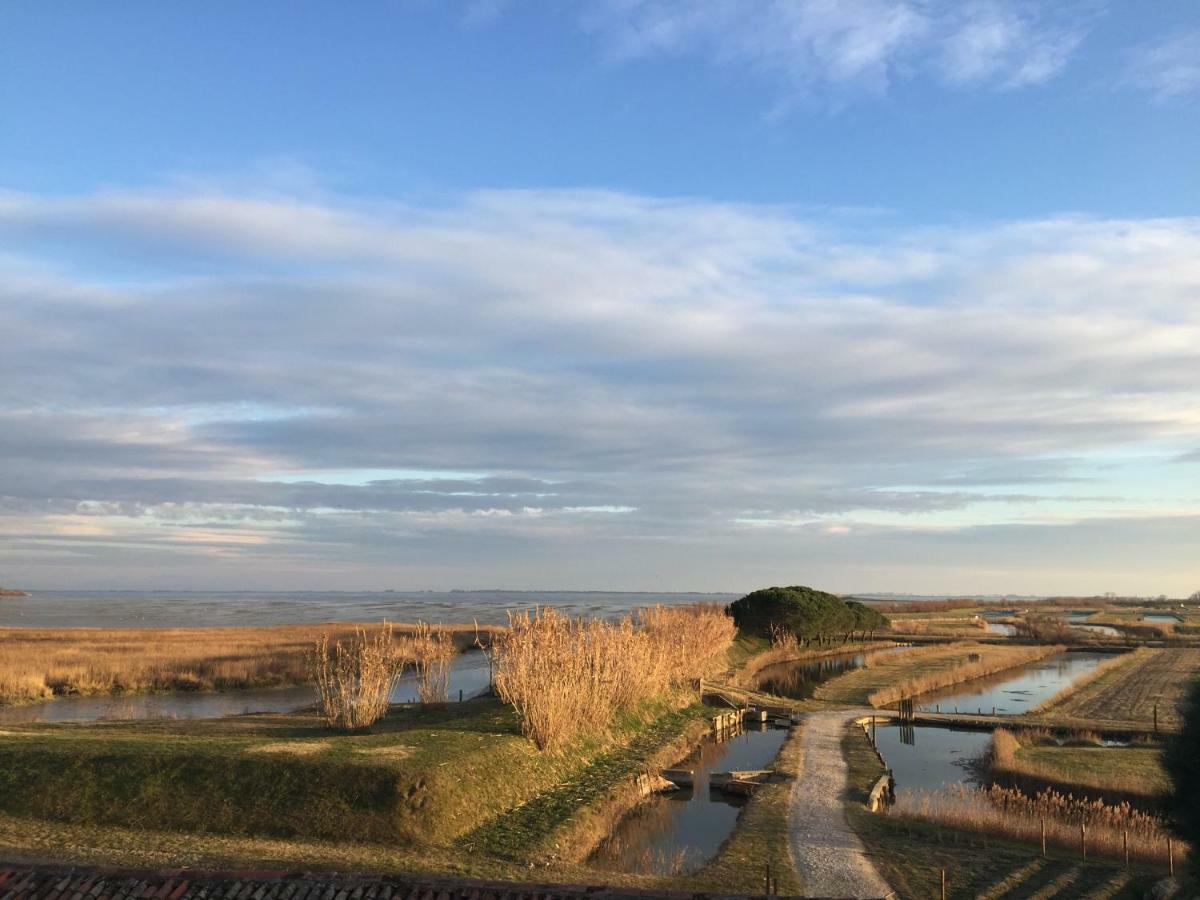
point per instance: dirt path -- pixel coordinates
(829, 856)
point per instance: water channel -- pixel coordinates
(798, 679)
(468, 673)
(931, 757)
(677, 832)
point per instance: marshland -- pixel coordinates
(564, 750)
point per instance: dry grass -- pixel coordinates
(567, 677)
(38, 663)
(942, 625)
(355, 678)
(1007, 813)
(997, 660)
(1130, 694)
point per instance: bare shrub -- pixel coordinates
(431, 650)
(355, 678)
(784, 639)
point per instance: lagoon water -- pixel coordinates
(468, 673)
(190, 609)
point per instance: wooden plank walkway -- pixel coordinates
(21, 882)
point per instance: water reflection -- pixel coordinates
(930, 757)
(1014, 691)
(468, 673)
(676, 833)
(798, 679)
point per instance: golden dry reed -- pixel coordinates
(355, 677)
(567, 677)
(1009, 813)
(431, 650)
(39, 663)
(990, 660)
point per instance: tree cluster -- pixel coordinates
(809, 614)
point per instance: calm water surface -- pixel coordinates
(798, 679)
(167, 609)
(930, 757)
(678, 832)
(469, 673)
(1015, 691)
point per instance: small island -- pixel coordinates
(12, 592)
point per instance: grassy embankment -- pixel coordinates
(914, 672)
(1082, 766)
(911, 853)
(422, 786)
(1127, 693)
(39, 663)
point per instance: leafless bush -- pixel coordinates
(355, 677)
(431, 650)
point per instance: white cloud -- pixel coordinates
(1169, 69)
(822, 46)
(519, 375)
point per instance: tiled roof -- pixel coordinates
(67, 883)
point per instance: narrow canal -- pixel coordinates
(677, 833)
(468, 673)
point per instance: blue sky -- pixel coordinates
(889, 295)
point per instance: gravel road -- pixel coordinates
(829, 856)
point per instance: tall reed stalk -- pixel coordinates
(431, 650)
(355, 678)
(568, 677)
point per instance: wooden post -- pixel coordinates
(1083, 841)
(460, 690)
(943, 884)
(1125, 843)
(1170, 858)
(768, 890)
(1156, 718)
(1043, 837)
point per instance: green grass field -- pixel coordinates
(421, 776)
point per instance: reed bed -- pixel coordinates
(993, 660)
(1008, 813)
(39, 663)
(568, 677)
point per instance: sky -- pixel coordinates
(884, 295)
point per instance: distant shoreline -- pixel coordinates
(13, 592)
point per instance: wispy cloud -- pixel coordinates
(1168, 69)
(605, 370)
(821, 47)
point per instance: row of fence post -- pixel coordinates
(1083, 851)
